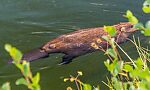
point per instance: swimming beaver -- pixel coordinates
(78, 43)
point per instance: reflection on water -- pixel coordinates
(29, 24)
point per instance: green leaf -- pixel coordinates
(146, 9)
(111, 30)
(20, 66)
(6, 86)
(139, 26)
(107, 64)
(36, 78)
(134, 73)
(131, 17)
(128, 67)
(146, 6)
(26, 68)
(133, 20)
(14, 53)
(132, 87)
(87, 87)
(110, 67)
(147, 32)
(116, 83)
(21, 81)
(139, 63)
(145, 74)
(147, 25)
(115, 68)
(8, 47)
(37, 87)
(129, 14)
(111, 52)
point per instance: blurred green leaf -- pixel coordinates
(139, 26)
(146, 9)
(146, 6)
(133, 20)
(37, 87)
(116, 67)
(116, 83)
(144, 74)
(131, 17)
(131, 87)
(21, 81)
(20, 66)
(147, 25)
(147, 32)
(14, 53)
(129, 14)
(8, 47)
(28, 80)
(26, 68)
(139, 63)
(36, 78)
(87, 87)
(144, 85)
(134, 73)
(111, 52)
(128, 67)
(111, 30)
(6, 86)
(107, 64)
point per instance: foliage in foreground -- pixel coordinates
(80, 85)
(32, 82)
(133, 75)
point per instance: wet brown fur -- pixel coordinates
(78, 43)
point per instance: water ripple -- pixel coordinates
(106, 10)
(41, 32)
(101, 4)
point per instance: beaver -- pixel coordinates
(78, 43)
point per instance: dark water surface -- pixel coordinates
(27, 24)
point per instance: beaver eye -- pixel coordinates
(123, 29)
(131, 26)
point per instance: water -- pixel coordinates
(29, 24)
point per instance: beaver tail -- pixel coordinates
(33, 55)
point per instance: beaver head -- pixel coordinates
(123, 31)
(125, 27)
